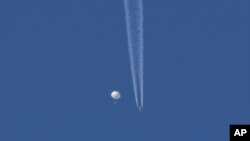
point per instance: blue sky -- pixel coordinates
(59, 61)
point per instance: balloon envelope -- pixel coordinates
(116, 95)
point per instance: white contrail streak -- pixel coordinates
(134, 22)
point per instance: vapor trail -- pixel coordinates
(134, 22)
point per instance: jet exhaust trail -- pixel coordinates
(134, 23)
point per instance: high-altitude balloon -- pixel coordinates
(116, 95)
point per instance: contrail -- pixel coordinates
(134, 22)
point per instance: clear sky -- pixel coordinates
(60, 60)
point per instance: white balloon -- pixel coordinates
(116, 95)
